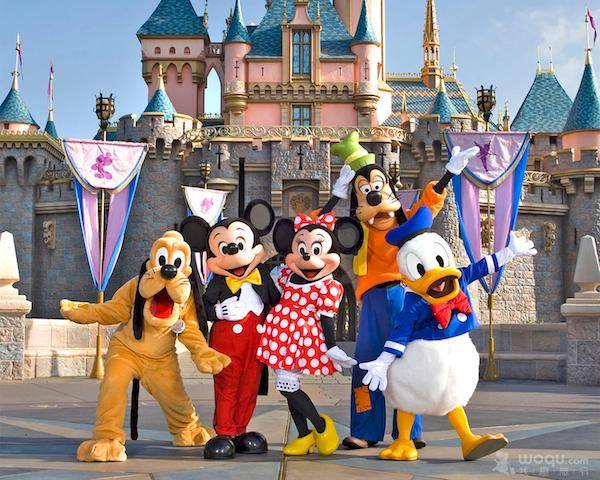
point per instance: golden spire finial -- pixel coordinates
(161, 80)
(15, 73)
(539, 61)
(284, 12)
(403, 109)
(551, 61)
(454, 67)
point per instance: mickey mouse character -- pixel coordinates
(377, 207)
(237, 300)
(299, 338)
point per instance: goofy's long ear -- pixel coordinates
(260, 215)
(138, 306)
(283, 234)
(350, 235)
(195, 233)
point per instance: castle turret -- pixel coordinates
(442, 105)
(236, 46)
(431, 73)
(160, 101)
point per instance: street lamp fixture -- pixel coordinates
(486, 101)
(105, 109)
(394, 171)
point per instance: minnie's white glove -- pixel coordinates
(231, 310)
(376, 376)
(517, 247)
(340, 187)
(460, 159)
(340, 358)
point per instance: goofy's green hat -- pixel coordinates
(353, 152)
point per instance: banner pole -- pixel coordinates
(98, 368)
(491, 372)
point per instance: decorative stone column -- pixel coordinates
(13, 308)
(583, 318)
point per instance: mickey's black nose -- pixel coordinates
(374, 198)
(231, 249)
(168, 271)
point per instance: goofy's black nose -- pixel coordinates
(374, 198)
(168, 271)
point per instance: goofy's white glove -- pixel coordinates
(340, 187)
(460, 159)
(376, 376)
(231, 309)
(517, 247)
(340, 358)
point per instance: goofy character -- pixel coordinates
(237, 299)
(379, 287)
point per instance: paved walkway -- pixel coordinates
(554, 432)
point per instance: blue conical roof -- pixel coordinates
(50, 128)
(161, 103)
(173, 18)
(545, 108)
(585, 112)
(443, 106)
(237, 31)
(364, 30)
(13, 109)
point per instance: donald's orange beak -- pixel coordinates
(437, 286)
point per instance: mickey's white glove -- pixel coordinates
(376, 376)
(340, 187)
(340, 358)
(517, 247)
(460, 159)
(231, 310)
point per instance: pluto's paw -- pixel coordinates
(400, 450)
(483, 446)
(195, 437)
(101, 450)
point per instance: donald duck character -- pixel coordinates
(429, 364)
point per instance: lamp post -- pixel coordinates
(394, 172)
(105, 108)
(486, 100)
(205, 171)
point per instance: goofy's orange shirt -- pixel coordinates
(381, 256)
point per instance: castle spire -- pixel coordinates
(431, 71)
(50, 127)
(205, 15)
(237, 31)
(160, 101)
(364, 29)
(15, 73)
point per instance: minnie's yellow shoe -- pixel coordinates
(301, 445)
(328, 441)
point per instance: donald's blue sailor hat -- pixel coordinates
(419, 223)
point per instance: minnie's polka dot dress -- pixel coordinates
(293, 338)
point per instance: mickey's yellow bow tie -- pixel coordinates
(235, 284)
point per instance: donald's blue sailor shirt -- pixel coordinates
(415, 321)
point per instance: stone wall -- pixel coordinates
(12, 336)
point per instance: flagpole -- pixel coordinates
(491, 372)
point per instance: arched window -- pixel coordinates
(157, 50)
(172, 50)
(186, 50)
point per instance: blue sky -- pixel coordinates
(93, 46)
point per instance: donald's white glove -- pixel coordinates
(460, 159)
(340, 187)
(340, 358)
(517, 247)
(231, 310)
(376, 376)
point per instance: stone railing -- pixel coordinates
(214, 49)
(202, 135)
(536, 178)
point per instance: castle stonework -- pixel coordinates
(308, 74)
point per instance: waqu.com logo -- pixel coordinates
(531, 463)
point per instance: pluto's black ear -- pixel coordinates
(350, 235)
(260, 215)
(138, 306)
(283, 235)
(195, 233)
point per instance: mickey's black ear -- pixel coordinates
(283, 235)
(350, 235)
(261, 215)
(195, 233)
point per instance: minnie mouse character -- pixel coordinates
(299, 337)
(237, 300)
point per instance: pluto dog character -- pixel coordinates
(149, 309)
(299, 338)
(429, 363)
(237, 300)
(379, 288)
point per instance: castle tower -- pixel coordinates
(431, 71)
(14, 114)
(50, 127)
(235, 46)
(177, 38)
(160, 101)
(365, 45)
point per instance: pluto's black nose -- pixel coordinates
(168, 271)
(374, 198)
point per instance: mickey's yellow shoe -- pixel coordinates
(328, 441)
(301, 445)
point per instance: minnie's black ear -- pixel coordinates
(261, 215)
(350, 235)
(283, 234)
(138, 306)
(195, 233)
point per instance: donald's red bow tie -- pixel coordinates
(443, 312)
(326, 220)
